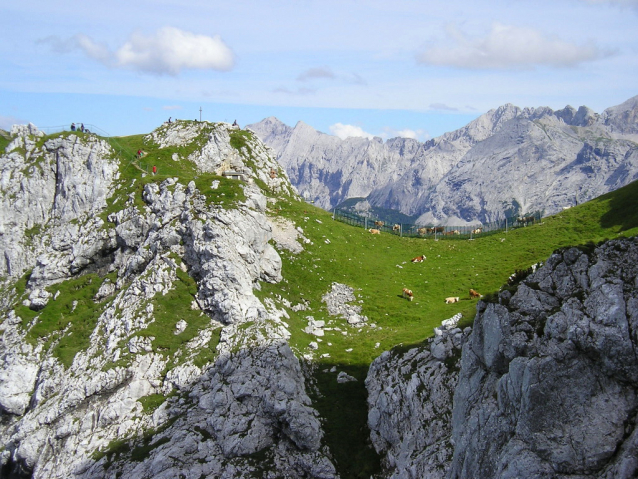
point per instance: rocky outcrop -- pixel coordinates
(546, 384)
(52, 182)
(548, 380)
(410, 405)
(508, 161)
(91, 387)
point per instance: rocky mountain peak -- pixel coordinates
(623, 118)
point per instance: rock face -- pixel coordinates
(410, 406)
(548, 380)
(508, 161)
(546, 386)
(52, 182)
(106, 394)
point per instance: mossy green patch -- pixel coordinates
(74, 311)
(239, 139)
(168, 310)
(5, 139)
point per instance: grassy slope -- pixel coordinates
(370, 264)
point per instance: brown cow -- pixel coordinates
(418, 259)
(422, 231)
(396, 228)
(374, 232)
(475, 294)
(379, 223)
(407, 294)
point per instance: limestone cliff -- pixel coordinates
(136, 386)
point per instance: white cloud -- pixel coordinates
(420, 135)
(168, 51)
(506, 47)
(171, 107)
(298, 91)
(442, 106)
(345, 131)
(97, 51)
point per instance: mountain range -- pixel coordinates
(509, 161)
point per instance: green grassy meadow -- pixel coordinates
(378, 267)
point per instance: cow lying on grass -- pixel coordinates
(452, 299)
(407, 294)
(374, 232)
(418, 259)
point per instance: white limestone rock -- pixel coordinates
(338, 301)
(58, 417)
(410, 407)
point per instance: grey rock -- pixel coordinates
(410, 407)
(548, 384)
(344, 377)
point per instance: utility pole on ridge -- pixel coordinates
(200, 113)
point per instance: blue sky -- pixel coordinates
(349, 67)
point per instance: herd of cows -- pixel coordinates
(434, 230)
(409, 295)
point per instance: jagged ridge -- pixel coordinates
(508, 161)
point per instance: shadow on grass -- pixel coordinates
(623, 208)
(344, 408)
